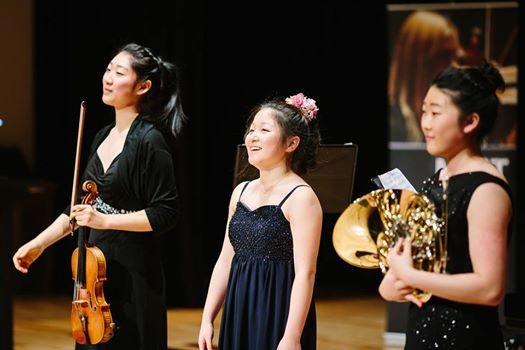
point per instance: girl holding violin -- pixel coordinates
(131, 163)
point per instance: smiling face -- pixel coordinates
(264, 141)
(444, 132)
(119, 83)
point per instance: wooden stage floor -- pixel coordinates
(350, 323)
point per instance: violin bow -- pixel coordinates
(74, 191)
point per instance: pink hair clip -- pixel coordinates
(306, 105)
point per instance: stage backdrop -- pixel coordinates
(423, 40)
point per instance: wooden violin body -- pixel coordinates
(91, 319)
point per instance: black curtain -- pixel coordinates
(231, 57)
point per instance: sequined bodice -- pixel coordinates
(261, 233)
(460, 190)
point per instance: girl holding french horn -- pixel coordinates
(459, 110)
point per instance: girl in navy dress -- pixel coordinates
(265, 273)
(458, 111)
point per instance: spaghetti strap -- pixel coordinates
(243, 188)
(290, 193)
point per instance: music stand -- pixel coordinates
(332, 179)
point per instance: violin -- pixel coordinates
(91, 320)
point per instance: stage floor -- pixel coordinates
(352, 323)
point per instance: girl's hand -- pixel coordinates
(206, 336)
(26, 255)
(400, 262)
(86, 215)
(400, 258)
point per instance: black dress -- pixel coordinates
(262, 272)
(445, 324)
(140, 177)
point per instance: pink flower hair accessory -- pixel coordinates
(306, 105)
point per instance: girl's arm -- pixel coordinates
(29, 252)
(305, 216)
(218, 282)
(488, 216)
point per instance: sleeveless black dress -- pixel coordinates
(445, 324)
(257, 299)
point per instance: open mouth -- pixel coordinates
(255, 148)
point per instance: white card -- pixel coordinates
(395, 180)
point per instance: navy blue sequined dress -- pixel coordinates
(445, 324)
(257, 299)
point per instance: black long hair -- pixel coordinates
(161, 105)
(473, 90)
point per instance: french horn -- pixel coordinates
(367, 230)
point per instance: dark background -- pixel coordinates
(231, 57)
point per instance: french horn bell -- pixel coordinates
(367, 230)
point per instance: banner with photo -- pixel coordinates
(423, 40)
